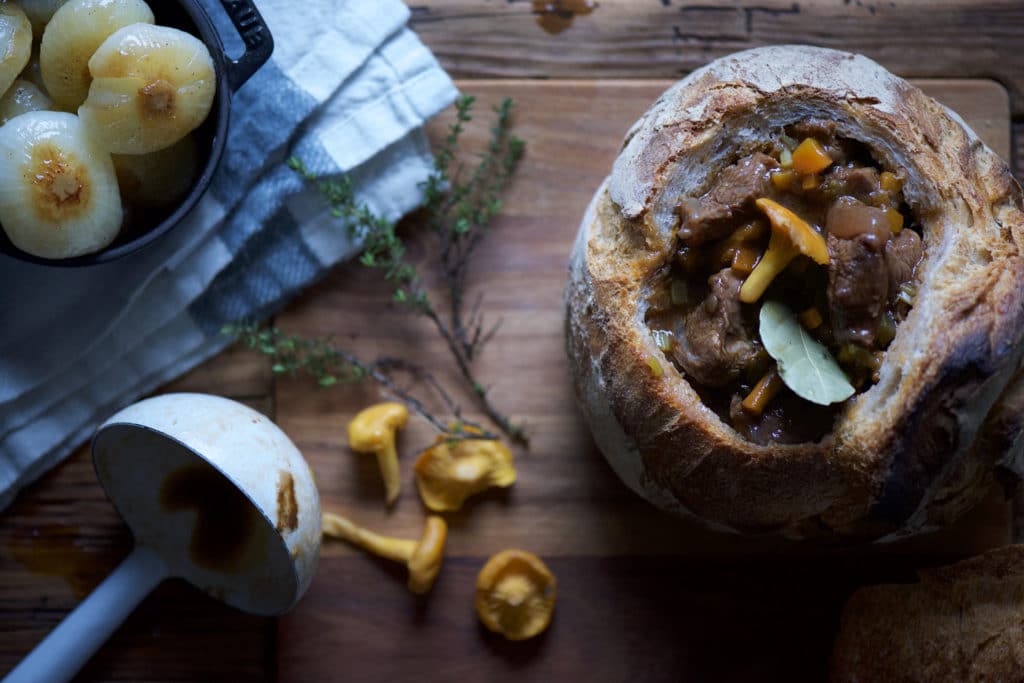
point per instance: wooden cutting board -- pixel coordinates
(642, 596)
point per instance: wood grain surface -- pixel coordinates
(61, 537)
(643, 596)
(668, 38)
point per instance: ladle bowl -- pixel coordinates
(215, 493)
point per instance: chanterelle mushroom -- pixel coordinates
(447, 474)
(373, 431)
(791, 236)
(423, 557)
(515, 594)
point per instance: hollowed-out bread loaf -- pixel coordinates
(910, 453)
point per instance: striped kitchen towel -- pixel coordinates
(348, 89)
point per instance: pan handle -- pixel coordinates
(259, 44)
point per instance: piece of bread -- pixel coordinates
(959, 623)
(914, 451)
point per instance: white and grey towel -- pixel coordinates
(348, 89)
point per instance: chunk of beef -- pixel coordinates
(823, 130)
(709, 217)
(716, 343)
(858, 286)
(856, 181)
(902, 254)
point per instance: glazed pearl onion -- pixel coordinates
(15, 43)
(58, 192)
(152, 85)
(74, 33)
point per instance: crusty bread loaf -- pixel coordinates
(915, 450)
(961, 623)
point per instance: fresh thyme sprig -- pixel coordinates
(330, 365)
(382, 248)
(459, 213)
(461, 218)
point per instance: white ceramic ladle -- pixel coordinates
(214, 493)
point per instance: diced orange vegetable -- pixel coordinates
(791, 236)
(726, 254)
(655, 366)
(809, 182)
(810, 157)
(726, 250)
(895, 219)
(745, 259)
(763, 393)
(783, 180)
(811, 318)
(876, 361)
(889, 182)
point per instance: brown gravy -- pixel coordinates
(852, 305)
(226, 521)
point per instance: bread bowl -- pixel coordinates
(959, 622)
(932, 415)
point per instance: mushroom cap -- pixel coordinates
(374, 428)
(799, 232)
(426, 559)
(515, 594)
(447, 474)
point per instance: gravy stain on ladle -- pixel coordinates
(213, 493)
(226, 520)
(287, 505)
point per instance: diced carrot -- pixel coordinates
(810, 157)
(763, 392)
(895, 219)
(745, 259)
(783, 180)
(811, 318)
(889, 182)
(725, 252)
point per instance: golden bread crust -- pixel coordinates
(905, 456)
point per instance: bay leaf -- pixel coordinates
(805, 365)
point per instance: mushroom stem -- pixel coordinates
(514, 590)
(387, 460)
(422, 558)
(397, 549)
(373, 430)
(791, 236)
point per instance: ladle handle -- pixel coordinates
(69, 646)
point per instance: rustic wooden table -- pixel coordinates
(61, 536)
